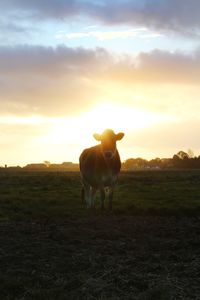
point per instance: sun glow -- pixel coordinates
(62, 138)
(79, 129)
(118, 117)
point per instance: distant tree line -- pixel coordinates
(181, 160)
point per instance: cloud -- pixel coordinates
(42, 80)
(63, 80)
(160, 66)
(11, 30)
(171, 15)
(109, 35)
(46, 9)
(106, 35)
(49, 63)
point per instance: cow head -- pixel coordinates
(108, 142)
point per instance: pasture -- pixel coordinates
(53, 248)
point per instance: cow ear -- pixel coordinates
(97, 136)
(119, 136)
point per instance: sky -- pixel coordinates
(69, 69)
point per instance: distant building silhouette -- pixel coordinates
(65, 166)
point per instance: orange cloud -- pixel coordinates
(62, 80)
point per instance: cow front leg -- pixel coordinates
(103, 196)
(93, 194)
(83, 196)
(110, 198)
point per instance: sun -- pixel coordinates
(68, 136)
(118, 117)
(79, 129)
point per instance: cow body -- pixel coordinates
(100, 166)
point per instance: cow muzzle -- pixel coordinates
(108, 154)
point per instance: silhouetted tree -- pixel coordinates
(47, 163)
(190, 153)
(182, 155)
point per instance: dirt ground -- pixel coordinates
(102, 257)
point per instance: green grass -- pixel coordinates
(43, 195)
(39, 195)
(159, 192)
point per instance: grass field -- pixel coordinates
(53, 248)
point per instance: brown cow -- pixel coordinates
(100, 166)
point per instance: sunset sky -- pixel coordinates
(72, 68)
